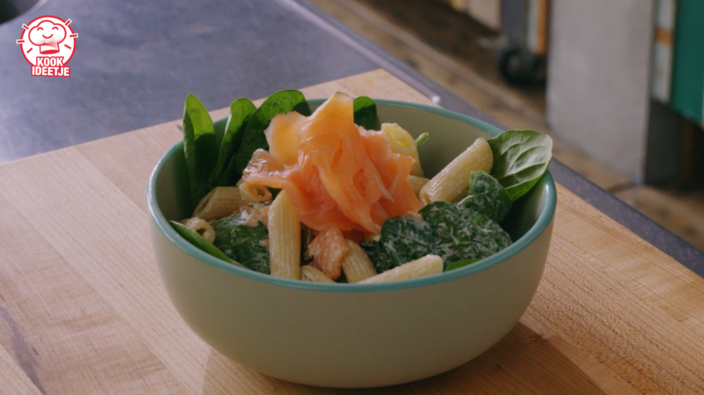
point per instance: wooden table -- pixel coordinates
(83, 310)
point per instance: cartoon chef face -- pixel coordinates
(47, 36)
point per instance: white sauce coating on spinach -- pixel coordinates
(403, 239)
(462, 233)
(451, 231)
(487, 196)
(244, 244)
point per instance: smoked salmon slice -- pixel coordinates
(337, 174)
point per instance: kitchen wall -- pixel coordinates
(599, 78)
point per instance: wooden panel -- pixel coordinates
(611, 295)
(12, 379)
(84, 311)
(62, 334)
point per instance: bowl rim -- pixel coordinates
(536, 230)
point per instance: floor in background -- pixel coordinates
(682, 212)
(444, 45)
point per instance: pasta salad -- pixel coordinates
(332, 196)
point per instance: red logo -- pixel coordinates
(48, 44)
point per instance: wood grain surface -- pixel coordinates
(83, 310)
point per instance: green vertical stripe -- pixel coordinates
(688, 73)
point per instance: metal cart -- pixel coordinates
(524, 24)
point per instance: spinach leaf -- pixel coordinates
(228, 177)
(365, 113)
(462, 263)
(240, 111)
(487, 196)
(253, 137)
(199, 145)
(403, 239)
(421, 139)
(244, 244)
(453, 232)
(520, 159)
(461, 233)
(199, 241)
(342, 279)
(373, 250)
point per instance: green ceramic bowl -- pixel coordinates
(351, 335)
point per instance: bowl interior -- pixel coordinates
(450, 134)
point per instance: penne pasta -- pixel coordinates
(425, 266)
(309, 273)
(417, 183)
(402, 143)
(284, 238)
(453, 180)
(200, 226)
(218, 203)
(252, 193)
(357, 266)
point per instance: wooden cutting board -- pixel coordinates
(83, 310)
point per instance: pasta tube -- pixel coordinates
(254, 193)
(218, 203)
(200, 226)
(454, 178)
(357, 265)
(309, 273)
(402, 143)
(417, 183)
(425, 266)
(284, 238)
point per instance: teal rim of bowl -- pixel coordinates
(543, 221)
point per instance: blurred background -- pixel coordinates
(618, 84)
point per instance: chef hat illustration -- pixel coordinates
(47, 35)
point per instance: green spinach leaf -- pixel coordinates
(461, 233)
(487, 196)
(373, 250)
(240, 111)
(342, 279)
(199, 145)
(521, 157)
(200, 242)
(242, 243)
(365, 113)
(253, 137)
(403, 239)
(462, 263)
(228, 177)
(453, 232)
